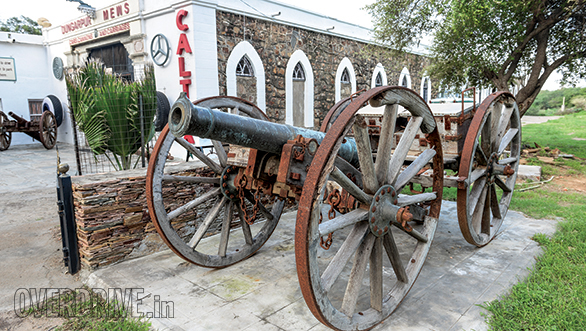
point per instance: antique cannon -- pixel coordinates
(349, 181)
(43, 129)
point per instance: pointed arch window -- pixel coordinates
(345, 79)
(404, 82)
(298, 72)
(244, 67)
(378, 80)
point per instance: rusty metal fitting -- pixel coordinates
(508, 171)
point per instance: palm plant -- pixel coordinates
(109, 111)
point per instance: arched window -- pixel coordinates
(244, 68)
(425, 90)
(345, 79)
(298, 72)
(404, 82)
(379, 80)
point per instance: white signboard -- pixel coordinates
(7, 70)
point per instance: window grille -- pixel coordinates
(244, 67)
(404, 82)
(35, 107)
(345, 79)
(298, 72)
(378, 80)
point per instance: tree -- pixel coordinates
(21, 25)
(488, 42)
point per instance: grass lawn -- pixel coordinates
(553, 297)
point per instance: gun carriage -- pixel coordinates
(362, 232)
(42, 128)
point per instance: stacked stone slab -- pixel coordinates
(112, 218)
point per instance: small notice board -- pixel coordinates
(7, 69)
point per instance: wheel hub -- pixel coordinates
(229, 190)
(383, 210)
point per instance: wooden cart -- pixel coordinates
(42, 128)
(360, 242)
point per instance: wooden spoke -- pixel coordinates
(406, 200)
(393, 254)
(498, 181)
(486, 212)
(365, 155)
(194, 203)
(421, 161)
(245, 227)
(494, 203)
(386, 143)
(508, 160)
(225, 234)
(476, 173)
(479, 209)
(207, 222)
(507, 139)
(486, 138)
(200, 155)
(343, 220)
(343, 255)
(350, 186)
(413, 233)
(221, 152)
(376, 275)
(505, 119)
(493, 125)
(357, 275)
(475, 192)
(403, 147)
(193, 179)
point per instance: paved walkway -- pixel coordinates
(261, 293)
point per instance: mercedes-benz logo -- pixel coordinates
(160, 50)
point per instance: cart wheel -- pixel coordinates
(341, 291)
(5, 135)
(48, 129)
(177, 222)
(490, 160)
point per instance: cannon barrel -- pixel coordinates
(21, 121)
(187, 119)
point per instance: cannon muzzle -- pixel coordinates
(187, 119)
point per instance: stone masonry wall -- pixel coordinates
(276, 42)
(112, 218)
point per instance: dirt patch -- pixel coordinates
(575, 183)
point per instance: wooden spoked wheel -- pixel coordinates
(370, 266)
(48, 129)
(5, 135)
(206, 227)
(490, 160)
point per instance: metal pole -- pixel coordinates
(141, 130)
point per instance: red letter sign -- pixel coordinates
(180, 15)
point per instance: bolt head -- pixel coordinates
(386, 228)
(224, 184)
(382, 192)
(380, 232)
(227, 192)
(372, 220)
(375, 228)
(388, 190)
(373, 209)
(393, 194)
(377, 198)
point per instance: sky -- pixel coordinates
(61, 11)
